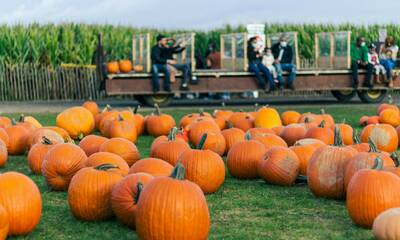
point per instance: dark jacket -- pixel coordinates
(169, 52)
(252, 55)
(287, 56)
(158, 55)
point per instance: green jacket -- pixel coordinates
(360, 53)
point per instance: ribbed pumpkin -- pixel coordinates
(386, 225)
(21, 198)
(171, 149)
(139, 120)
(292, 133)
(215, 142)
(267, 117)
(364, 160)
(188, 119)
(256, 131)
(5, 122)
(153, 166)
(121, 128)
(125, 195)
(279, 166)
(346, 131)
(106, 120)
(370, 192)
(3, 153)
(77, 121)
(289, 117)
(4, 223)
(358, 145)
(18, 140)
(221, 122)
(159, 123)
(203, 167)
(138, 68)
(123, 148)
(61, 163)
(4, 136)
(91, 144)
(385, 106)
(310, 141)
(326, 168)
(242, 120)
(31, 126)
(40, 133)
(383, 135)
(243, 157)
(322, 133)
(269, 140)
(310, 119)
(125, 66)
(232, 136)
(373, 120)
(304, 154)
(64, 134)
(201, 126)
(390, 116)
(172, 208)
(364, 121)
(89, 194)
(329, 122)
(113, 67)
(37, 154)
(225, 114)
(101, 158)
(92, 107)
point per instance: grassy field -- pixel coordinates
(239, 210)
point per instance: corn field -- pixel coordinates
(75, 43)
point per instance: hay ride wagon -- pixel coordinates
(328, 71)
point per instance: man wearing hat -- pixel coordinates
(159, 64)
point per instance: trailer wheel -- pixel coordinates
(372, 96)
(343, 95)
(162, 100)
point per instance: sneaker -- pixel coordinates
(184, 87)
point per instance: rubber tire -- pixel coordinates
(367, 98)
(162, 100)
(341, 97)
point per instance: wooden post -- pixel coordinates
(141, 47)
(297, 51)
(222, 42)
(348, 49)
(332, 48)
(316, 40)
(245, 60)
(193, 59)
(233, 49)
(133, 50)
(148, 52)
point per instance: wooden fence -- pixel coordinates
(33, 82)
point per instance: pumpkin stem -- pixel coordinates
(120, 118)
(81, 136)
(247, 136)
(395, 159)
(108, 107)
(306, 120)
(201, 112)
(356, 138)
(172, 134)
(13, 121)
(378, 164)
(46, 141)
(21, 118)
(202, 141)
(105, 167)
(338, 141)
(322, 124)
(158, 111)
(372, 146)
(178, 172)
(228, 124)
(139, 187)
(136, 109)
(322, 111)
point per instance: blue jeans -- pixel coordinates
(155, 69)
(186, 72)
(388, 64)
(291, 68)
(257, 69)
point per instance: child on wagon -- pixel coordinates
(268, 61)
(373, 59)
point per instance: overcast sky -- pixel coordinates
(203, 14)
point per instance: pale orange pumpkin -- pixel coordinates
(77, 121)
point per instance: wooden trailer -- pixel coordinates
(330, 71)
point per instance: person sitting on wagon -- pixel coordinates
(159, 64)
(172, 48)
(268, 61)
(359, 59)
(388, 55)
(283, 54)
(373, 59)
(255, 65)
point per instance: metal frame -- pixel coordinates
(192, 50)
(332, 48)
(141, 38)
(234, 58)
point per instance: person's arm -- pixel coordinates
(290, 54)
(365, 55)
(178, 49)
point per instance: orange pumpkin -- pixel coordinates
(3, 153)
(267, 117)
(37, 154)
(121, 128)
(171, 149)
(92, 107)
(113, 67)
(346, 131)
(289, 117)
(225, 114)
(188, 119)
(125, 66)
(310, 119)
(159, 123)
(242, 120)
(101, 158)
(5, 122)
(215, 142)
(77, 121)
(370, 192)
(364, 121)
(358, 145)
(139, 120)
(21, 199)
(383, 135)
(38, 135)
(292, 133)
(31, 127)
(106, 120)
(138, 68)
(304, 154)
(4, 137)
(172, 208)
(91, 144)
(64, 134)
(328, 119)
(61, 163)
(256, 131)
(373, 120)
(232, 136)
(123, 148)
(4, 223)
(18, 140)
(310, 141)
(390, 116)
(201, 126)
(387, 224)
(279, 166)
(322, 133)
(89, 194)
(125, 195)
(153, 166)
(270, 140)
(385, 106)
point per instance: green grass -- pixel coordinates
(241, 209)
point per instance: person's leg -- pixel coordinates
(391, 65)
(291, 68)
(154, 78)
(267, 75)
(370, 68)
(279, 71)
(254, 69)
(184, 68)
(166, 83)
(354, 72)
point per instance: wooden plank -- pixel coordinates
(245, 62)
(233, 49)
(348, 49)
(332, 50)
(193, 59)
(222, 50)
(148, 53)
(297, 51)
(316, 41)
